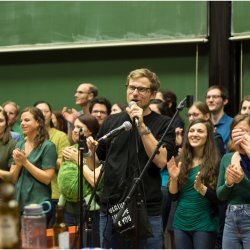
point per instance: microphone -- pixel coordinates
(189, 101)
(83, 144)
(136, 119)
(125, 126)
(186, 102)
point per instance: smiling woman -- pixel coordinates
(194, 182)
(34, 160)
(200, 110)
(197, 136)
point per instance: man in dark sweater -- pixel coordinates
(127, 154)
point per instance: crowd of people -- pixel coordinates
(153, 178)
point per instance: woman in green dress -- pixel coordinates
(34, 160)
(193, 182)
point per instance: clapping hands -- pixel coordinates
(173, 168)
(70, 154)
(19, 157)
(234, 174)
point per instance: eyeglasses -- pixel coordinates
(81, 92)
(99, 111)
(141, 90)
(193, 114)
(11, 113)
(213, 96)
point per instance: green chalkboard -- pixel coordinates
(27, 77)
(91, 22)
(240, 17)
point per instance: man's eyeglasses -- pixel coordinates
(141, 90)
(213, 96)
(99, 111)
(82, 92)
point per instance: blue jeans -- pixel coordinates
(237, 227)
(194, 239)
(166, 206)
(112, 239)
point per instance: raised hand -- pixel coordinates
(238, 135)
(71, 115)
(197, 182)
(173, 168)
(178, 136)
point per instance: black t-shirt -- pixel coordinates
(122, 161)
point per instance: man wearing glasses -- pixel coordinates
(127, 154)
(85, 92)
(217, 99)
(100, 108)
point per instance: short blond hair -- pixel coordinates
(143, 72)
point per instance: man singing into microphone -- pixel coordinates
(125, 156)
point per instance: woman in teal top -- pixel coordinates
(234, 185)
(193, 182)
(34, 160)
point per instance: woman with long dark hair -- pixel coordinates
(193, 181)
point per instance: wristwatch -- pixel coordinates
(146, 131)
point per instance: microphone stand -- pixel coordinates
(137, 181)
(85, 225)
(86, 219)
(81, 150)
(138, 194)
